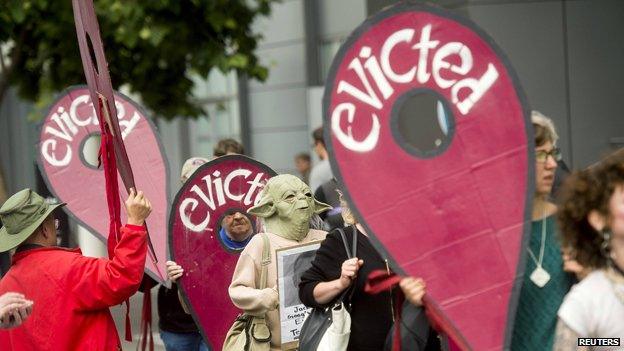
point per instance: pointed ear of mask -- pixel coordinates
(320, 207)
(266, 208)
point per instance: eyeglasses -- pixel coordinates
(542, 155)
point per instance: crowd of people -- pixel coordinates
(573, 283)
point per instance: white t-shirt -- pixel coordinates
(320, 174)
(593, 310)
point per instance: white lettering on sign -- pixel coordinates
(215, 186)
(58, 146)
(347, 138)
(383, 77)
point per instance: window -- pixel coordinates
(219, 97)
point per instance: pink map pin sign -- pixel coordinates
(225, 184)
(428, 134)
(66, 129)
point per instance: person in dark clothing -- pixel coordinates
(332, 272)
(177, 328)
(416, 332)
(328, 193)
(371, 315)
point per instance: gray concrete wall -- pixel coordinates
(17, 144)
(277, 107)
(280, 108)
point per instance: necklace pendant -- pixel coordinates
(540, 277)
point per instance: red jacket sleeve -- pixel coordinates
(98, 283)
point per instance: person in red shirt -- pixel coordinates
(71, 293)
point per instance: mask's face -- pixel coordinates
(293, 201)
(287, 205)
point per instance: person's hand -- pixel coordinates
(174, 271)
(571, 265)
(14, 309)
(414, 290)
(138, 207)
(274, 304)
(349, 271)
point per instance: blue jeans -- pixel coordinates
(183, 341)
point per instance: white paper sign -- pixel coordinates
(292, 262)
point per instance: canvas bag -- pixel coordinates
(329, 329)
(251, 333)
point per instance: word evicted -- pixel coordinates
(67, 127)
(386, 78)
(222, 190)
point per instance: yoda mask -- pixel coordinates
(286, 205)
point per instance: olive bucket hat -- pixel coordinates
(21, 215)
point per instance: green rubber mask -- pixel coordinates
(286, 205)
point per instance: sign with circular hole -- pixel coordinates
(428, 133)
(67, 158)
(208, 228)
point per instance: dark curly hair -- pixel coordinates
(585, 191)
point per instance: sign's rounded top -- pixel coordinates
(206, 243)
(428, 133)
(218, 188)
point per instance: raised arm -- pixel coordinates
(99, 282)
(330, 274)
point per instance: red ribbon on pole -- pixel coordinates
(380, 280)
(113, 154)
(101, 90)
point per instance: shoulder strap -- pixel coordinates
(353, 252)
(266, 260)
(350, 254)
(355, 236)
(344, 242)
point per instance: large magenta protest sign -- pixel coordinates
(219, 187)
(428, 129)
(69, 127)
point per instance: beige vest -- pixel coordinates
(246, 278)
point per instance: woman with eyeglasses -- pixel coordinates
(545, 283)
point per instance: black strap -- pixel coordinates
(354, 247)
(617, 268)
(350, 254)
(353, 252)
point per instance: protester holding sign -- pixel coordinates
(545, 283)
(286, 206)
(73, 292)
(177, 328)
(592, 223)
(332, 273)
(209, 228)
